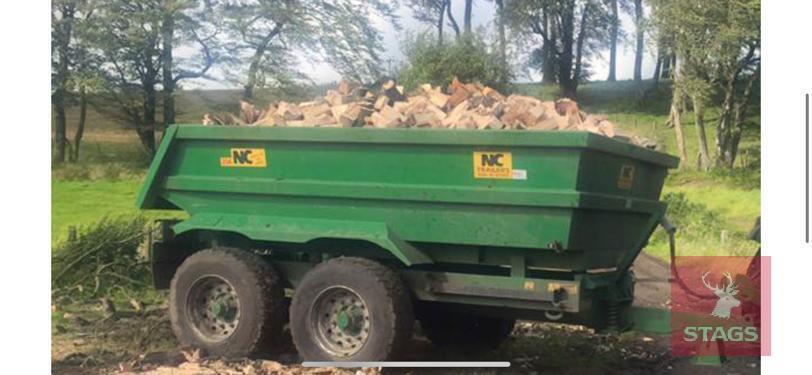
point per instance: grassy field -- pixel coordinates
(109, 174)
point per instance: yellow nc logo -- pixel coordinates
(497, 165)
(245, 157)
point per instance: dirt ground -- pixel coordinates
(87, 342)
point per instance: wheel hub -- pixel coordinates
(213, 307)
(223, 310)
(341, 321)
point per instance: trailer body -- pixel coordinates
(522, 224)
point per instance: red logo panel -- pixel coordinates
(720, 306)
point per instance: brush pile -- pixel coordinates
(100, 261)
(460, 106)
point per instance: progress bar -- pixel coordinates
(405, 364)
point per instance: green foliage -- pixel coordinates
(468, 58)
(691, 217)
(101, 260)
(718, 44)
(702, 230)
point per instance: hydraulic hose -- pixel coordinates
(671, 230)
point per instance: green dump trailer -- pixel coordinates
(350, 235)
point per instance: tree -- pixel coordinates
(127, 39)
(469, 7)
(339, 31)
(63, 16)
(74, 72)
(675, 119)
(430, 12)
(571, 29)
(500, 26)
(85, 80)
(639, 30)
(469, 59)
(719, 44)
(614, 27)
(452, 20)
(183, 21)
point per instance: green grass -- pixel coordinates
(737, 207)
(83, 202)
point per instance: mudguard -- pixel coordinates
(303, 230)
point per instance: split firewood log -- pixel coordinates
(209, 119)
(289, 112)
(393, 92)
(486, 122)
(462, 106)
(569, 108)
(458, 96)
(455, 115)
(346, 87)
(455, 85)
(489, 92)
(337, 110)
(424, 119)
(323, 119)
(250, 114)
(607, 128)
(350, 115)
(438, 98)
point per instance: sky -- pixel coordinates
(483, 16)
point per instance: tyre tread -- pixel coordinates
(396, 291)
(270, 296)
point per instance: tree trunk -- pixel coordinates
(740, 114)
(256, 61)
(724, 125)
(638, 52)
(665, 72)
(703, 162)
(80, 126)
(441, 22)
(615, 23)
(469, 4)
(253, 69)
(61, 81)
(567, 85)
(657, 67)
(500, 16)
(548, 63)
(675, 118)
(60, 139)
(167, 35)
(451, 18)
(146, 131)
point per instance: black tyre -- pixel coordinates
(351, 309)
(228, 302)
(471, 333)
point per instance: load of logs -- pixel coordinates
(461, 106)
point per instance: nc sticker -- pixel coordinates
(245, 157)
(626, 177)
(495, 165)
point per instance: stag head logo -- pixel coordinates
(727, 296)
